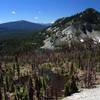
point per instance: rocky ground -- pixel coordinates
(86, 94)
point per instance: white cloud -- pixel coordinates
(36, 18)
(13, 12)
(52, 22)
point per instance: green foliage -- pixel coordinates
(70, 86)
(21, 92)
(21, 44)
(1, 97)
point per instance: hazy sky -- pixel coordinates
(42, 11)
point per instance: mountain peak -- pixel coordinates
(22, 25)
(90, 15)
(90, 10)
(22, 21)
(79, 27)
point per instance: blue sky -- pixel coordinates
(42, 11)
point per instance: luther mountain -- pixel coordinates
(78, 28)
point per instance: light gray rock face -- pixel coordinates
(69, 34)
(79, 28)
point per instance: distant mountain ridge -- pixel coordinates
(19, 28)
(22, 25)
